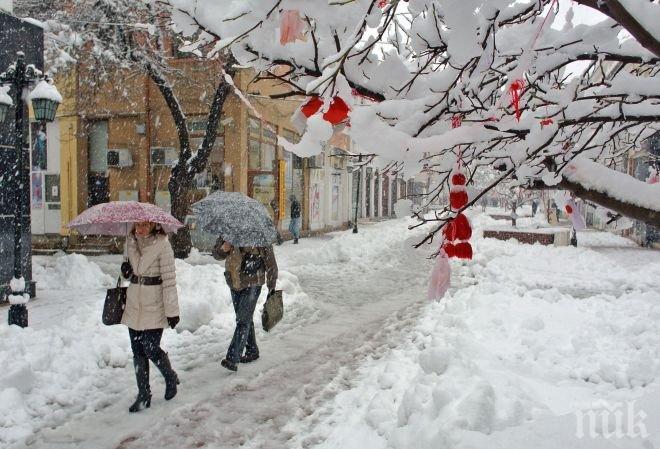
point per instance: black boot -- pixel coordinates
(295, 241)
(143, 399)
(171, 379)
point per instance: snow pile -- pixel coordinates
(4, 96)
(45, 90)
(532, 333)
(368, 251)
(70, 272)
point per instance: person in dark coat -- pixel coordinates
(246, 271)
(535, 207)
(296, 220)
(151, 305)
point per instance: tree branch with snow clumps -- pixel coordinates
(430, 61)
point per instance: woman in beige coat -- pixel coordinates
(151, 305)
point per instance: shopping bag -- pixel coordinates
(273, 310)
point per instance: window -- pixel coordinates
(262, 145)
(197, 128)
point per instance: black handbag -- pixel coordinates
(115, 303)
(273, 310)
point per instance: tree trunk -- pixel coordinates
(188, 166)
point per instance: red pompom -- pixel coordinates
(449, 249)
(449, 231)
(569, 209)
(463, 250)
(458, 179)
(458, 199)
(337, 112)
(462, 228)
(311, 107)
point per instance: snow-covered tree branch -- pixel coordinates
(507, 73)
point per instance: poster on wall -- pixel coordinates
(39, 146)
(315, 197)
(37, 191)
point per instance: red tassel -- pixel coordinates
(449, 249)
(337, 112)
(463, 250)
(569, 209)
(311, 107)
(458, 199)
(458, 179)
(516, 89)
(462, 228)
(546, 121)
(456, 121)
(449, 231)
(382, 3)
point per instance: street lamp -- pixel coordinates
(45, 100)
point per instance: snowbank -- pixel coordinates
(532, 334)
(70, 272)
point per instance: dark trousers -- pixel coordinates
(146, 343)
(245, 301)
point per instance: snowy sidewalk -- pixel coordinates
(338, 294)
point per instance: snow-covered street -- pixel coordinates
(527, 336)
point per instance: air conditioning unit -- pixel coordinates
(163, 156)
(120, 157)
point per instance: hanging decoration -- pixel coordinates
(515, 90)
(292, 27)
(337, 113)
(574, 215)
(440, 276)
(458, 231)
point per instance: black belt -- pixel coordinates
(146, 280)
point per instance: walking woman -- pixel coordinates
(246, 271)
(151, 305)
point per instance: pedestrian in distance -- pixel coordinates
(535, 207)
(247, 269)
(151, 305)
(296, 220)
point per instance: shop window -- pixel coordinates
(262, 145)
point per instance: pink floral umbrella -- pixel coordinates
(117, 218)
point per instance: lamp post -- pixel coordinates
(45, 100)
(357, 199)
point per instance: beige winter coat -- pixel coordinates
(148, 306)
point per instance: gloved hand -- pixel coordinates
(172, 321)
(126, 270)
